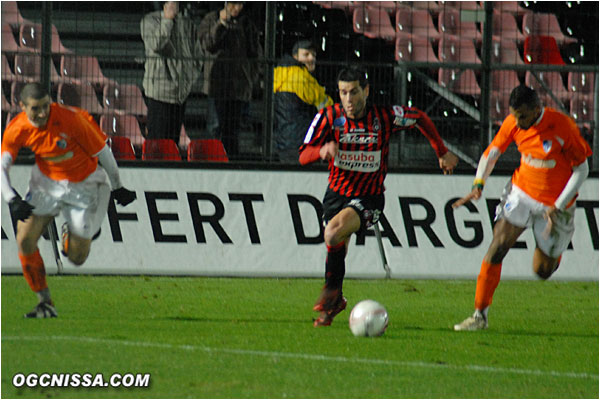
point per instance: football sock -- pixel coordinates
(34, 271)
(44, 296)
(487, 281)
(335, 268)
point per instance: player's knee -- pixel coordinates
(331, 236)
(499, 253)
(77, 258)
(544, 270)
(26, 243)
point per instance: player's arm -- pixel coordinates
(108, 162)
(446, 159)
(156, 34)
(318, 145)
(503, 138)
(19, 208)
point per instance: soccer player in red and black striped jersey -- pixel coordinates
(354, 138)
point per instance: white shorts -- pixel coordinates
(518, 208)
(82, 204)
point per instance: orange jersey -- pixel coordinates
(64, 149)
(549, 150)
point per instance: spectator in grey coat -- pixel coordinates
(173, 64)
(232, 47)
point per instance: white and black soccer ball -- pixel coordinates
(368, 318)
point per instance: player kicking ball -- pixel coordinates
(354, 138)
(66, 178)
(541, 195)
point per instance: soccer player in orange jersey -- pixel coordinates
(66, 178)
(541, 194)
(354, 137)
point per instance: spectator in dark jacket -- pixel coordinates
(298, 96)
(231, 43)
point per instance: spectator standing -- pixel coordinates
(231, 44)
(298, 96)
(173, 63)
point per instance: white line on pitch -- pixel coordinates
(316, 357)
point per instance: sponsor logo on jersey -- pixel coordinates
(376, 124)
(68, 155)
(361, 161)
(537, 163)
(61, 143)
(356, 138)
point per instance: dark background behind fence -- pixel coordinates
(97, 47)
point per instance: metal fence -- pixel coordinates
(450, 59)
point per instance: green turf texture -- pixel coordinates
(253, 338)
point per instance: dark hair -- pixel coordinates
(523, 95)
(303, 44)
(34, 91)
(353, 74)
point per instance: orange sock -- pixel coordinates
(34, 271)
(487, 281)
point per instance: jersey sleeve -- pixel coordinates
(504, 137)
(11, 140)
(575, 148)
(412, 117)
(319, 132)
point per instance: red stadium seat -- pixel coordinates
(122, 125)
(79, 69)
(459, 81)
(504, 27)
(581, 83)
(79, 95)
(207, 150)
(122, 148)
(415, 48)
(9, 44)
(452, 49)
(450, 23)
(124, 99)
(416, 22)
(11, 14)
(506, 52)
(373, 23)
(7, 74)
(30, 37)
(552, 79)
(160, 149)
(541, 50)
(28, 67)
(542, 24)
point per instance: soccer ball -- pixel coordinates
(368, 318)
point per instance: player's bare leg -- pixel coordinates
(505, 236)
(34, 272)
(337, 236)
(543, 265)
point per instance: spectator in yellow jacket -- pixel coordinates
(297, 96)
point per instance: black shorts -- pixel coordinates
(368, 208)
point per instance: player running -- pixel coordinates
(68, 146)
(541, 193)
(354, 137)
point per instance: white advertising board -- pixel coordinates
(225, 222)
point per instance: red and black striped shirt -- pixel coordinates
(361, 163)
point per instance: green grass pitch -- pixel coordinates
(253, 338)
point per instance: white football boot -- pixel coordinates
(476, 322)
